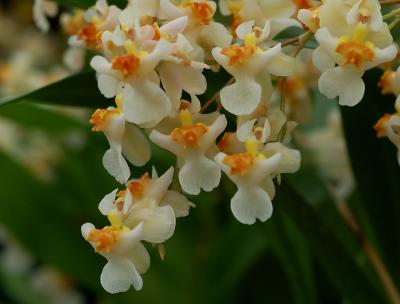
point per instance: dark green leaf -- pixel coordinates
(88, 3)
(376, 170)
(78, 90)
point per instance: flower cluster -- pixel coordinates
(150, 59)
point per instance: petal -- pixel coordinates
(86, 229)
(322, 60)
(140, 258)
(198, 172)
(108, 85)
(245, 28)
(119, 274)
(158, 223)
(174, 27)
(107, 203)
(290, 158)
(245, 130)
(242, 97)
(145, 103)
(178, 202)
(166, 142)
(135, 146)
(283, 65)
(251, 203)
(116, 165)
(344, 82)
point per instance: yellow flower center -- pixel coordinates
(128, 64)
(203, 12)
(239, 54)
(356, 50)
(189, 134)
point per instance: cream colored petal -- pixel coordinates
(158, 224)
(140, 258)
(343, 82)
(116, 165)
(245, 28)
(178, 202)
(245, 130)
(290, 158)
(242, 97)
(198, 172)
(283, 65)
(108, 86)
(135, 146)
(107, 203)
(119, 274)
(145, 103)
(166, 142)
(322, 60)
(174, 27)
(382, 56)
(251, 203)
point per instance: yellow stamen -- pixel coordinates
(240, 163)
(104, 239)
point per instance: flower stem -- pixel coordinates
(392, 14)
(372, 254)
(394, 23)
(389, 2)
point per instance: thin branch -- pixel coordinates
(372, 254)
(389, 2)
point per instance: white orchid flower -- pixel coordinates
(149, 201)
(126, 257)
(125, 139)
(251, 174)
(251, 67)
(133, 74)
(353, 55)
(191, 143)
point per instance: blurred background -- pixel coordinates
(335, 228)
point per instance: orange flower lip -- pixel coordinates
(381, 126)
(240, 163)
(100, 119)
(238, 54)
(189, 136)
(104, 239)
(355, 52)
(203, 12)
(138, 187)
(128, 64)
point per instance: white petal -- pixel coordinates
(116, 165)
(158, 224)
(198, 173)
(344, 82)
(322, 60)
(283, 65)
(145, 103)
(135, 146)
(140, 258)
(86, 229)
(119, 274)
(178, 202)
(174, 27)
(242, 97)
(245, 28)
(245, 130)
(107, 203)
(251, 203)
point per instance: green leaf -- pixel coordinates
(36, 215)
(33, 116)
(78, 90)
(309, 205)
(89, 3)
(376, 170)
